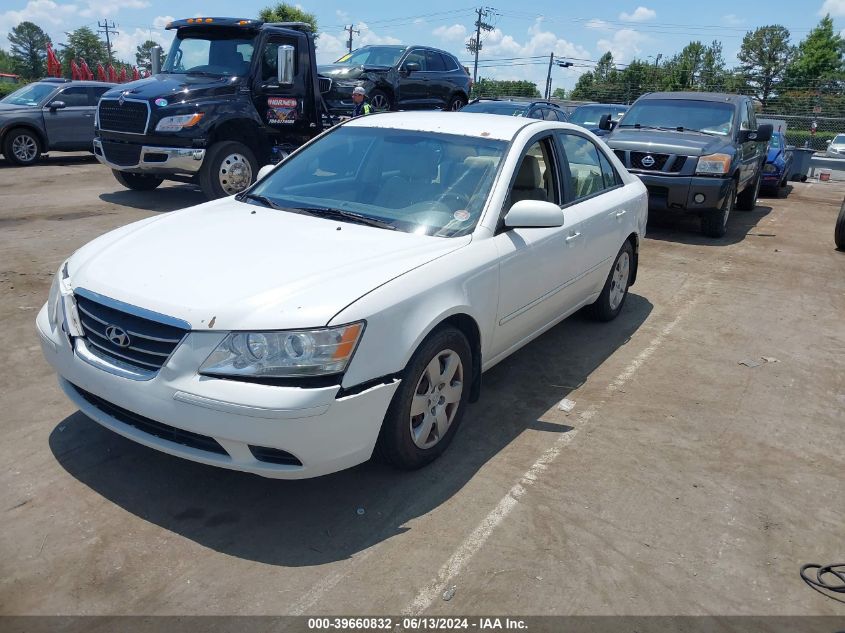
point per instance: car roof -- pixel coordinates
(494, 126)
(695, 96)
(527, 104)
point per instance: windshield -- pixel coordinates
(417, 182)
(839, 139)
(30, 95)
(705, 116)
(497, 107)
(774, 142)
(216, 53)
(590, 115)
(373, 56)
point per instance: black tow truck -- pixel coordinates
(233, 95)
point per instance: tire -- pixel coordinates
(403, 442)
(839, 233)
(380, 101)
(457, 102)
(137, 182)
(715, 224)
(747, 200)
(782, 189)
(609, 304)
(22, 147)
(229, 168)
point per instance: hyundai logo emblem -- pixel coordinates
(117, 335)
(648, 160)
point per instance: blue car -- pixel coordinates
(778, 166)
(589, 115)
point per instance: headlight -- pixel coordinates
(769, 168)
(714, 165)
(178, 122)
(349, 83)
(289, 354)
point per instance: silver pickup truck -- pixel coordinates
(49, 115)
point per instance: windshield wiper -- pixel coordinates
(205, 73)
(637, 126)
(349, 216)
(707, 132)
(259, 198)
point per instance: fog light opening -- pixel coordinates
(699, 198)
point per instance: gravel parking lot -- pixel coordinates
(683, 482)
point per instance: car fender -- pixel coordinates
(401, 313)
(32, 122)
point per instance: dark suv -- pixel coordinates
(51, 114)
(696, 152)
(544, 110)
(398, 77)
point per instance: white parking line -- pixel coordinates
(475, 541)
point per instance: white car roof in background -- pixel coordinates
(493, 126)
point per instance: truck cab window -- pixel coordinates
(270, 60)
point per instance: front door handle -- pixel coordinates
(573, 236)
(619, 214)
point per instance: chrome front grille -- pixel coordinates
(142, 339)
(129, 116)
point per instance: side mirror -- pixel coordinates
(534, 214)
(284, 67)
(605, 123)
(263, 172)
(827, 142)
(411, 67)
(56, 105)
(763, 134)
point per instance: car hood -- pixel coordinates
(347, 71)
(228, 265)
(666, 142)
(175, 88)
(11, 108)
(774, 154)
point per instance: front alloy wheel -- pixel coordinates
(436, 399)
(21, 147)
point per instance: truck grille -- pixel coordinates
(124, 154)
(325, 84)
(151, 427)
(637, 159)
(129, 117)
(127, 338)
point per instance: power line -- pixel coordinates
(351, 30)
(108, 30)
(474, 45)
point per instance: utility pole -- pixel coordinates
(474, 44)
(553, 61)
(108, 29)
(351, 30)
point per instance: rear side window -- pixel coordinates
(434, 62)
(449, 62)
(536, 113)
(550, 115)
(609, 174)
(73, 97)
(586, 177)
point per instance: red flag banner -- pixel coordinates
(112, 74)
(122, 77)
(101, 72)
(75, 73)
(135, 74)
(86, 72)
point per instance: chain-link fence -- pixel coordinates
(812, 131)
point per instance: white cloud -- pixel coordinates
(101, 8)
(456, 32)
(125, 43)
(640, 14)
(332, 45)
(836, 8)
(732, 20)
(598, 24)
(624, 45)
(161, 21)
(45, 13)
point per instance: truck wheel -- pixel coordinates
(22, 147)
(137, 182)
(380, 101)
(715, 224)
(609, 304)
(839, 233)
(229, 168)
(747, 200)
(428, 406)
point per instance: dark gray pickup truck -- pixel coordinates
(696, 152)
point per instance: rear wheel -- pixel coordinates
(137, 182)
(229, 168)
(428, 406)
(456, 103)
(22, 147)
(615, 291)
(839, 233)
(715, 224)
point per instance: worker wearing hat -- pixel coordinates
(361, 107)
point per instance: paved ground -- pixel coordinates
(682, 483)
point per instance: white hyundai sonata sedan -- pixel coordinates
(348, 301)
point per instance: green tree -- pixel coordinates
(144, 54)
(559, 93)
(28, 49)
(81, 44)
(818, 58)
(764, 55)
(284, 12)
(499, 88)
(7, 63)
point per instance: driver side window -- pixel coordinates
(416, 57)
(270, 60)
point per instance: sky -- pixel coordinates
(518, 46)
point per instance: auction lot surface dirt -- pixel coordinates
(682, 482)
